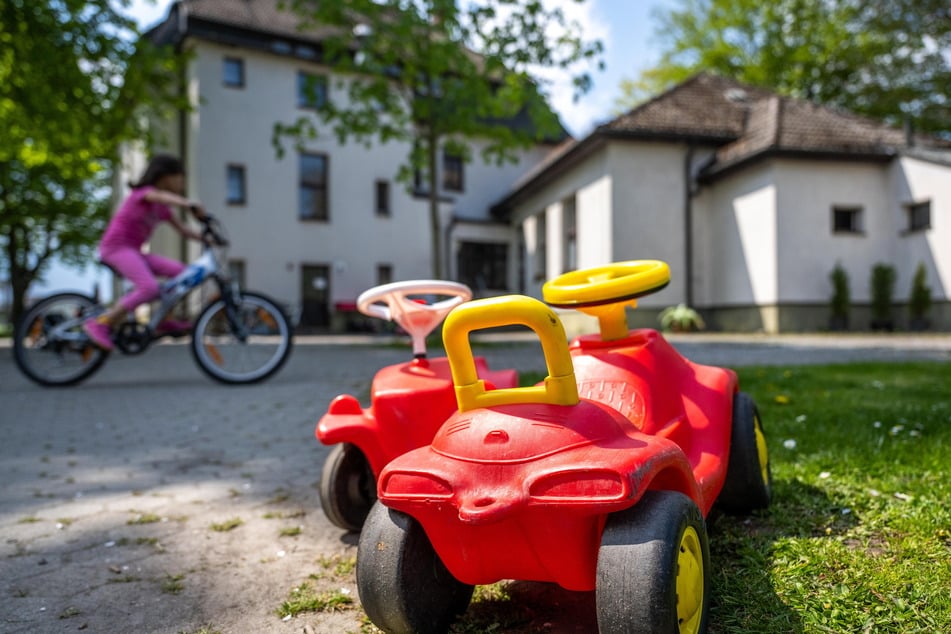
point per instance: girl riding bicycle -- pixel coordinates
(162, 185)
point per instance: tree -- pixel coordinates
(890, 60)
(66, 105)
(434, 75)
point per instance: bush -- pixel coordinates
(883, 290)
(681, 318)
(920, 301)
(841, 299)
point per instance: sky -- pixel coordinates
(625, 27)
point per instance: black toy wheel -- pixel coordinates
(403, 585)
(347, 487)
(749, 483)
(653, 573)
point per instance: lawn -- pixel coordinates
(858, 538)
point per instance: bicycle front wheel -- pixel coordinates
(49, 345)
(245, 342)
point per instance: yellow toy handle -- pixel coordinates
(560, 387)
(604, 291)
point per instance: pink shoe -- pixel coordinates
(99, 334)
(176, 326)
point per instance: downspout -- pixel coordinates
(447, 247)
(689, 192)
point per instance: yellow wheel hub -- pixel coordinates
(761, 450)
(689, 583)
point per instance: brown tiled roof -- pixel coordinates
(741, 122)
(260, 16)
(705, 106)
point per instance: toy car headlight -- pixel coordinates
(415, 485)
(583, 486)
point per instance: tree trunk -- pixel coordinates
(20, 278)
(434, 224)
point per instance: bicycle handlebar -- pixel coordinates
(210, 230)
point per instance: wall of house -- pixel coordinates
(647, 203)
(915, 181)
(590, 183)
(735, 233)
(235, 126)
(808, 246)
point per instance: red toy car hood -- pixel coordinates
(516, 433)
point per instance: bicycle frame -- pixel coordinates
(172, 291)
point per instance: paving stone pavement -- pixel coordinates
(110, 489)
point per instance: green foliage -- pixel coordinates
(681, 318)
(885, 59)
(68, 99)
(841, 299)
(920, 301)
(883, 291)
(434, 74)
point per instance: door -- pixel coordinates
(315, 296)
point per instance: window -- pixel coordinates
(233, 72)
(569, 221)
(847, 220)
(382, 198)
(311, 91)
(452, 172)
(483, 265)
(919, 216)
(384, 273)
(313, 187)
(236, 185)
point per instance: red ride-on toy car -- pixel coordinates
(600, 478)
(409, 401)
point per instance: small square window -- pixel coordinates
(382, 198)
(452, 174)
(237, 185)
(233, 72)
(919, 216)
(311, 91)
(847, 220)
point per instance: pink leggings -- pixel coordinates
(141, 269)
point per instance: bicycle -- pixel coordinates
(239, 337)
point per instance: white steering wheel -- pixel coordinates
(402, 302)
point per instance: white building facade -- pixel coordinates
(751, 210)
(322, 223)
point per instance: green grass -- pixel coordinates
(859, 535)
(227, 525)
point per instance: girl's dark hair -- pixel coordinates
(160, 165)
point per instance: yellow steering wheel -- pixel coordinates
(604, 291)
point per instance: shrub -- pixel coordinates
(681, 318)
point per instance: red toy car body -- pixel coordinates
(409, 402)
(599, 479)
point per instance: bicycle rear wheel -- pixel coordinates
(243, 345)
(49, 345)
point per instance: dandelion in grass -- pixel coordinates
(801, 418)
(789, 444)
